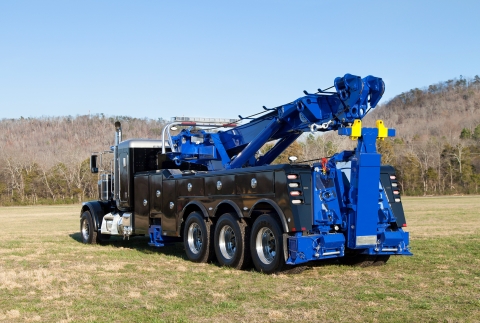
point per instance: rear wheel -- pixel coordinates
(266, 245)
(87, 229)
(232, 242)
(197, 238)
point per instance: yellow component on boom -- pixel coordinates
(356, 129)
(382, 130)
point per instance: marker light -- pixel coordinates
(292, 176)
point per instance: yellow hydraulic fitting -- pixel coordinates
(382, 130)
(356, 129)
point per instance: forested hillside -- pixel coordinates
(46, 160)
(437, 147)
(436, 150)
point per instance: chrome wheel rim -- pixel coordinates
(227, 242)
(194, 238)
(85, 230)
(266, 245)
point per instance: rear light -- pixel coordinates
(295, 193)
(404, 225)
(297, 201)
(393, 177)
(394, 184)
(293, 184)
(396, 192)
(292, 176)
(397, 200)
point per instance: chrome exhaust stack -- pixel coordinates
(116, 170)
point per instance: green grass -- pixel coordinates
(47, 275)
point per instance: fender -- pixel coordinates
(196, 203)
(277, 209)
(96, 209)
(232, 204)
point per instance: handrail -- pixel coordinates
(170, 142)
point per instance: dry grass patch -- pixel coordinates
(47, 275)
(443, 216)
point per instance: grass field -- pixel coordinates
(47, 275)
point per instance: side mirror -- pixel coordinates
(93, 164)
(292, 159)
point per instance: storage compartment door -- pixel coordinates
(170, 208)
(142, 204)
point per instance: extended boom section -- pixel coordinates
(322, 111)
(214, 192)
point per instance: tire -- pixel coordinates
(232, 241)
(87, 229)
(266, 245)
(197, 238)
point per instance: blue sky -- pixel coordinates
(160, 59)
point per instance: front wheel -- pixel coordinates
(87, 229)
(197, 238)
(266, 245)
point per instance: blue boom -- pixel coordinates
(322, 111)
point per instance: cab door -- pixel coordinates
(124, 179)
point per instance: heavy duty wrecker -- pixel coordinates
(213, 191)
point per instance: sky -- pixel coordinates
(160, 59)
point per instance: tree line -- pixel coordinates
(437, 148)
(47, 160)
(436, 151)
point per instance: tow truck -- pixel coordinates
(208, 187)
